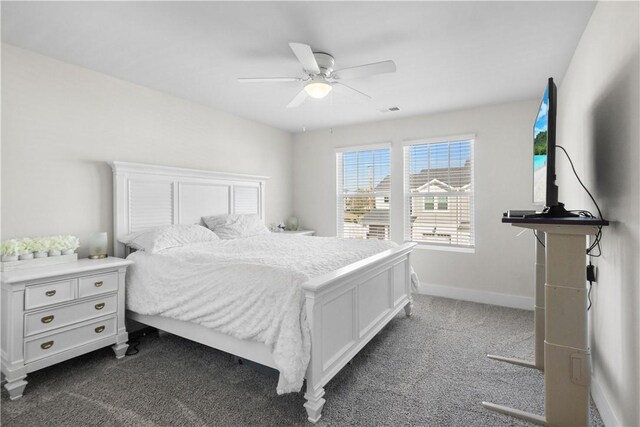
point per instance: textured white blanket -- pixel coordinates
(248, 288)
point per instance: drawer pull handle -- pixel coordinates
(98, 284)
(50, 293)
(46, 345)
(47, 319)
(99, 329)
(99, 306)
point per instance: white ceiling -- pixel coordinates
(449, 55)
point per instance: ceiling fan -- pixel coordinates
(320, 77)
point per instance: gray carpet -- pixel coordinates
(427, 370)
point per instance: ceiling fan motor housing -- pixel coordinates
(325, 63)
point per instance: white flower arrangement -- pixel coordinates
(70, 243)
(56, 243)
(41, 246)
(10, 247)
(26, 246)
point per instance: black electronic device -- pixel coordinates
(545, 189)
(515, 213)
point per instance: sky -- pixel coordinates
(543, 114)
(365, 168)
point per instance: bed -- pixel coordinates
(343, 308)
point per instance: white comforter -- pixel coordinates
(248, 288)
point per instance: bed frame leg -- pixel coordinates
(408, 308)
(162, 333)
(314, 404)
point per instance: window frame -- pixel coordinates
(406, 145)
(340, 195)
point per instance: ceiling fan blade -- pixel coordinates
(298, 99)
(352, 91)
(365, 70)
(305, 55)
(268, 79)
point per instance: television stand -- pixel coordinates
(567, 373)
(538, 319)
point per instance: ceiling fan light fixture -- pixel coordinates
(317, 89)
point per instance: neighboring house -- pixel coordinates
(384, 185)
(377, 223)
(440, 218)
(435, 218)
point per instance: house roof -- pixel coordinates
(435, 182)
(384, 185)
(452, 177)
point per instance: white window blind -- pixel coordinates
(363, 193)
(246, 200)
(150, 204)
(438, 182)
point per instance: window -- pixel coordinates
(429, 203)
(438, 179)
(436, 203)
(363, 191)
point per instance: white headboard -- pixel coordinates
(147, 196)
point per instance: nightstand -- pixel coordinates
(299, 232)
(54, 313)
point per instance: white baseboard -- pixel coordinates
(602, 403)
(474, 295)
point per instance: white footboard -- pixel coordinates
(346, 309)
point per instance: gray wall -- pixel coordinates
(61, 123)
(598, 115)
(502, 263)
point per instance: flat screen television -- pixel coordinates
(545, 190)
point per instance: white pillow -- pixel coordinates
(235, 226)
(168, 236)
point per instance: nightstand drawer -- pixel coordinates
(98, 284)
(48, 293)
(48, 345)
(46, 320)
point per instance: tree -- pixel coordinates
(540, 144)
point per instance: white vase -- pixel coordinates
(7, 258)
(68, 251)
(28, 255)
(55, 252)
(41, 254)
